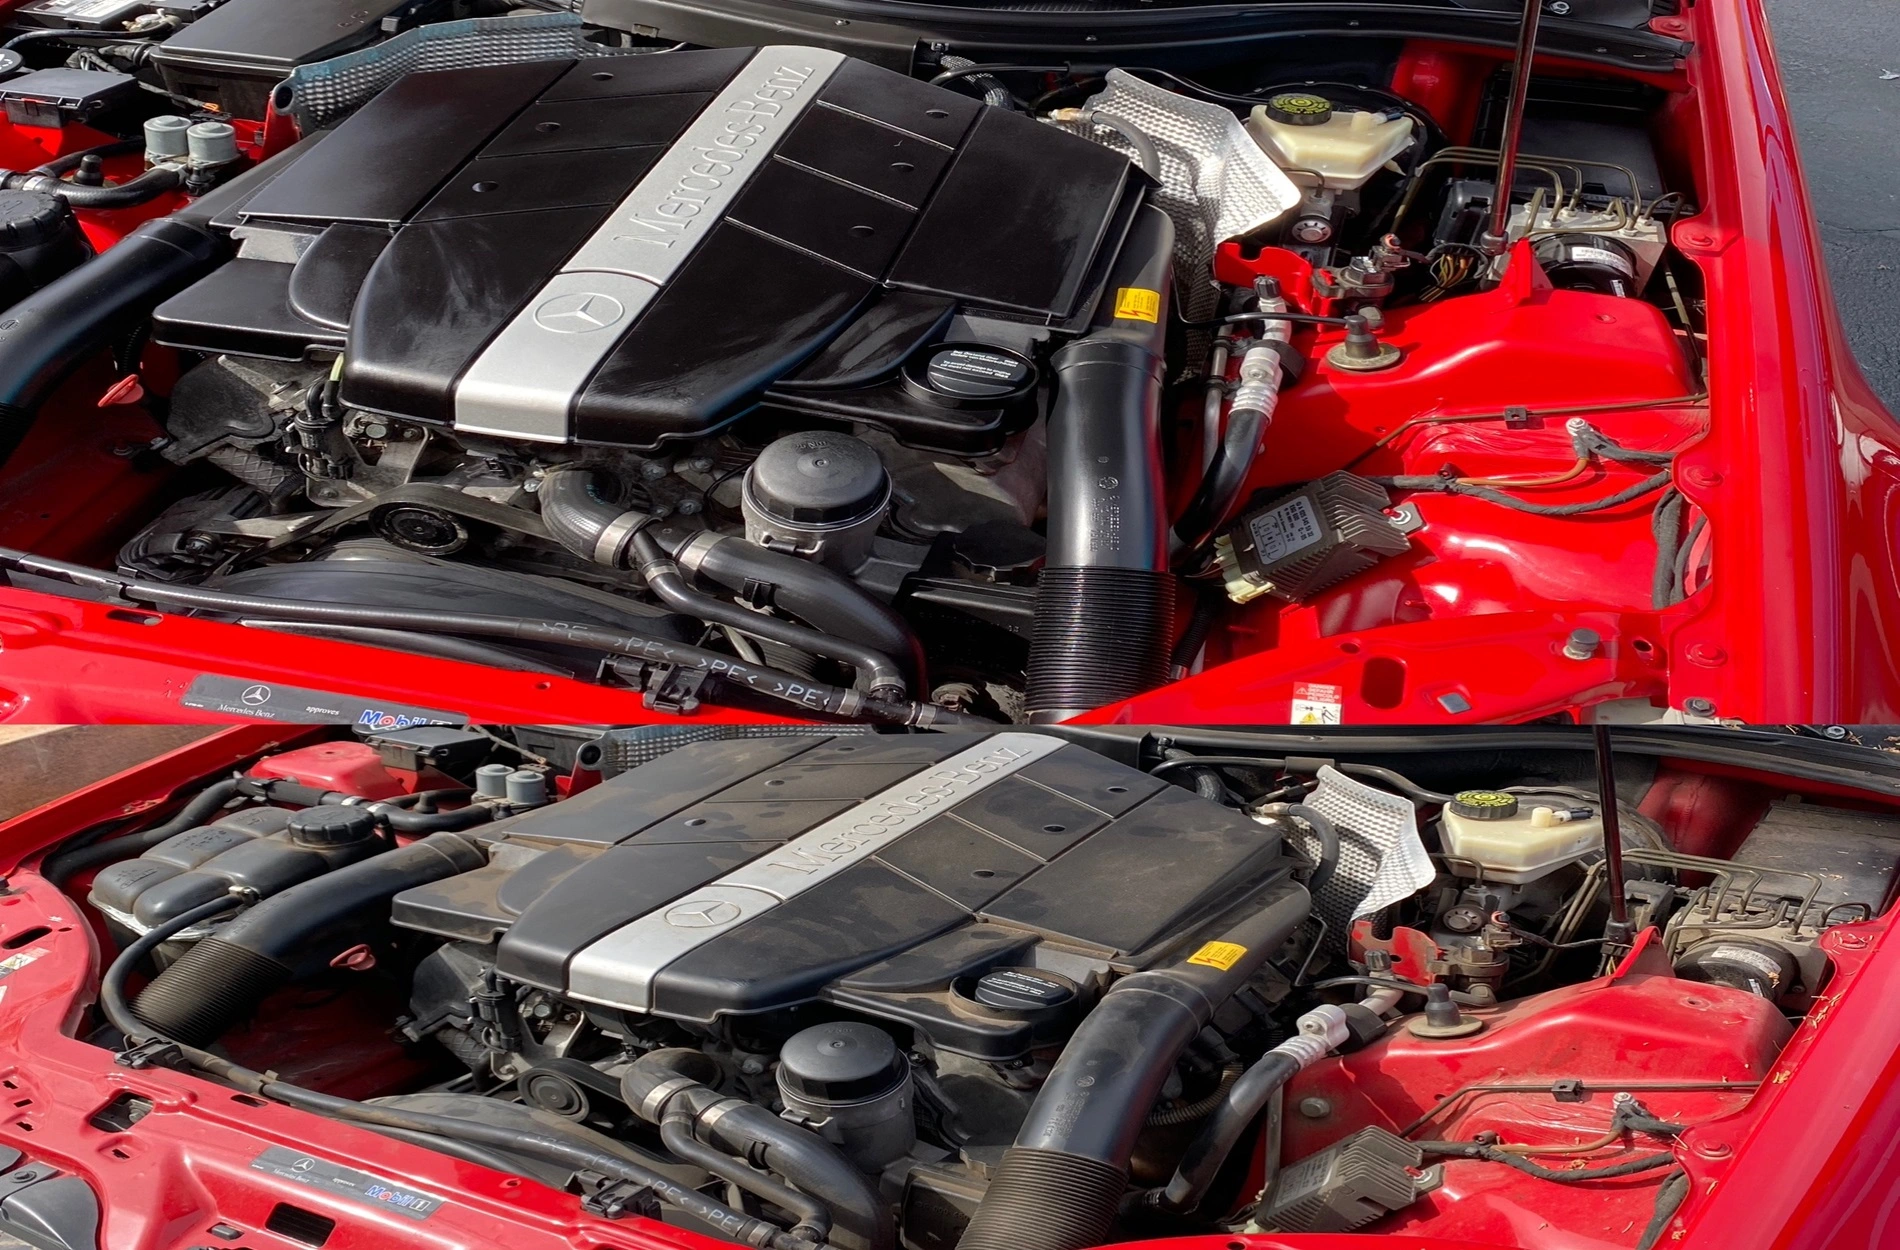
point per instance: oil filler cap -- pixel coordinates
(1483, 804)
(1300, 108)
(970, 373)
(1022, 990)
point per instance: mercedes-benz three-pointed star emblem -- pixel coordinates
(701, 913)
(580, 313)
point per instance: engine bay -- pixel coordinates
(802, 987)
(773, 378)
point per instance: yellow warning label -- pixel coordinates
(1134, 303)
(1222, 955)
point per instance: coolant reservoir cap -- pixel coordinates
(328, 826)
(1023, 990)
(1484, 804)
(821, 477)
(842, 1062)
(30, 218)
(1299, 108)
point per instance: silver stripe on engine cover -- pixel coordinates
(618, 970)
(523, 384)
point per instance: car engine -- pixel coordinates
(772, 377)
(800, 987)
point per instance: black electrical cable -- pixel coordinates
(1398, 781)
(1491, 1154)
(76, 36)
(1207, 605)
(1665, 524)
(995, 67)
(807, 695)
(1311, 319)
(1669, 1197)
(1452, 486)
(1388, 983)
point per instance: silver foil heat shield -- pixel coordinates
(1216, 183)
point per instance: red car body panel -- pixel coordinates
(1792, 459)
(1800, 1162)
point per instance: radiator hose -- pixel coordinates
(1104, 611)
(887, 652)
(1060, 1185)
(665, 1085)
(223, 978)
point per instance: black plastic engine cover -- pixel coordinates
(627, 250)
(883, 874)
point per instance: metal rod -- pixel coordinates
(1612, 836)
(1513, 125)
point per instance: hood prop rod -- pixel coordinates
(1493, 239)
(1617, 931)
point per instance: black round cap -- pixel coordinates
(843, 1062)
(327, 826)
(1023, 990)
(1484, 804)
(977, 371)
(30, 218)
(1299, 108)
(819, 478)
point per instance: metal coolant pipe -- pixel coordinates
(1105, 602)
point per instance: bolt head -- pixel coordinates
(1582, 644)
(1315, 1108)
(1836, 732)
(1699, 706)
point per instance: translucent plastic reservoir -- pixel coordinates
(1535, 841)
(1345, 149)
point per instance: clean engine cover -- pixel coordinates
(881, 874)
(625, 250)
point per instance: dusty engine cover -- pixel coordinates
(626, 250)
(883, 874)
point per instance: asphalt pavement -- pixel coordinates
(1847, 122)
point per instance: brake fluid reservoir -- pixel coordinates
(1518, 838)
(1344, 146)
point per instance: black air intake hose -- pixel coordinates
(223, 978)
(47, 335)
(1105, 601)
(1059, 1186)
